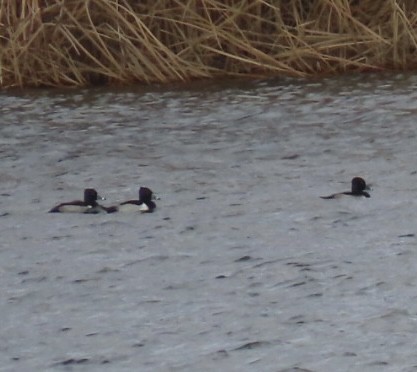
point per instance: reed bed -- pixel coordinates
(80, 43)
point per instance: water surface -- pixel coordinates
(242, 267)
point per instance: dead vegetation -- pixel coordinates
(79, 43)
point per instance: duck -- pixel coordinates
(88, 206)
(358, 189)
(144, 204)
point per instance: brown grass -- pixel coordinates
(78, 43)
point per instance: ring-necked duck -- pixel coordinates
(144, 204)
(88, 205)
(358, 189)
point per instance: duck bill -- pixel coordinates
(99, 197)
(155, 197)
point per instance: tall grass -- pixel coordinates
(78, 43)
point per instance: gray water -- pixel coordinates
(242, 267)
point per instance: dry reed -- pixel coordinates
(78, 43)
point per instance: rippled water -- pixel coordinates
(242, 266)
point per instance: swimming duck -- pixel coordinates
(358, 189)
(144, 204)
(88, 205)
